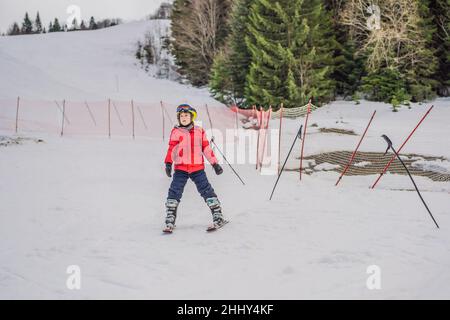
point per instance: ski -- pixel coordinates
(168, 229)
(215, 227)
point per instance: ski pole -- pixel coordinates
(389, 142)
(298, 135)
(401, 147)
(212, 140)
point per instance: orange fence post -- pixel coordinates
(266, 128)
(354, 152)
(304, 136)
(279, 137)
(258, 116)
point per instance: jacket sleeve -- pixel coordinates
(173, 141)
(207, 151)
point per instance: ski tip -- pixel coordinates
(215, 227)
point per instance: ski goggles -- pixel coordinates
(187, 108)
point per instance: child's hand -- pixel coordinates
(217, 168)
(169, 169)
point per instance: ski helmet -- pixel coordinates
(186, 108)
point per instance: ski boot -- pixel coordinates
(171, 210)
(216, 211)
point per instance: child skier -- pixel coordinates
(187, 145)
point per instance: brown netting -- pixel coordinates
(377, 163)
(339, 131)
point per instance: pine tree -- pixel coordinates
(220, 83)
(83, 25)
(74, 25)
(14, 30)
(348, 67)
(38, 24)
(50, 27)
(92, 24)
(291, 60)
(27, 25)
(231, 66)
(56, 26)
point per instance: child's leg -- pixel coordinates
(174, 196)
(203, 186)
(207, 192)
(177, 186)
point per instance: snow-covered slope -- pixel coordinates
(91, 65)
(98, 203)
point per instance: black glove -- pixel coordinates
(217, 168)
(169, 169)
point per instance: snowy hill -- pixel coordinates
(98, 203)
(84, 65)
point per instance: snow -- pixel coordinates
(438, 165)
(98, 203)
(362, 164)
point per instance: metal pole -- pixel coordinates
(212, 140)
(298, 135)
(389, 142)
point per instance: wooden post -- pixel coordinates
(279, 138)
(63, 115)
(132, 114)
(17, 113)
(109, 118)
(163, 120)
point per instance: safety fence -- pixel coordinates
(107, 118)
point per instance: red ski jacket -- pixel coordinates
(187, 147)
